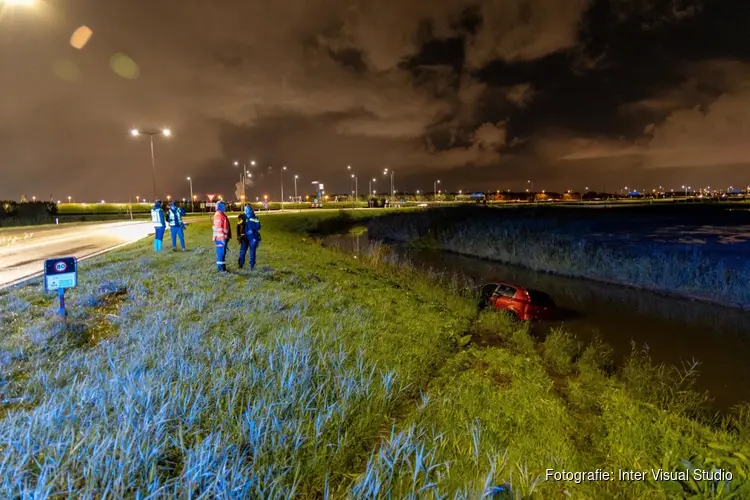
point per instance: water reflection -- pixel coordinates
(675, 330)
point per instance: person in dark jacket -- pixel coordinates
(160, 225)
(251, 232)
(176, 226)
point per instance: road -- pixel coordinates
(23, 252)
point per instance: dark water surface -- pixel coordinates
(676, 331)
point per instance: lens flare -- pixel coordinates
(66, 70)
(124, 66)
(81, 37)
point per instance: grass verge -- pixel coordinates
(319, 376)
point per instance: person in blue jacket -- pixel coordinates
(176, 226)
(251, 239)
(160, 225)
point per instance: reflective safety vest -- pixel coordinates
(221, 227)
(156, 218)
(175, 218)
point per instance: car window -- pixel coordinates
(505, 291)
(487, 291)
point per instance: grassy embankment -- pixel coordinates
(558, 240)
(317, 375)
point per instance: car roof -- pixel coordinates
(497, 283)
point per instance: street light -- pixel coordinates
(151, 133)
(69, 198)
(192, 198)
(244, 174)
(281, 175)
(385, 172)
(435, 188)
(373, 180)
(295, 187)
(356, 191)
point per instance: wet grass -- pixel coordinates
(318, 375)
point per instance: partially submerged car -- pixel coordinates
(525, 303)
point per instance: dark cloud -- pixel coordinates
(421, 87)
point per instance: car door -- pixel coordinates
(486, 294)
(503, 296)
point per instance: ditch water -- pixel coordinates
(676, 331)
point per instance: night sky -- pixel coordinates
(482, 95)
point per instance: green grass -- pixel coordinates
(318, 375)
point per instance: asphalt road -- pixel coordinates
(22, 254)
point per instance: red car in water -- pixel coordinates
(525, 303)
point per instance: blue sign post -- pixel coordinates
(59, 274)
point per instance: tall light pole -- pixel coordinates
(392, 172)
(356, 190)
(151, 133)
(295, 187)
(373, 180)
(435, 192)
(244, 175)
(281, 174)
(353, 184)
(192, 202)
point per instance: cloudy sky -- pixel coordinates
(482, 95)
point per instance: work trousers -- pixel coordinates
(158, 237)
(221, 255)
(177, 231)
(244, 247)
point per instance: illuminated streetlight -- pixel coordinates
(392, 172)
(435, 188)
(69, 198)
(371, 181)
(295, 185)
(281, 175)
(192, 198)
(151, 133)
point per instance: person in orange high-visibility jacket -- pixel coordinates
(222, 235)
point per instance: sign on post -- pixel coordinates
(60, 274)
